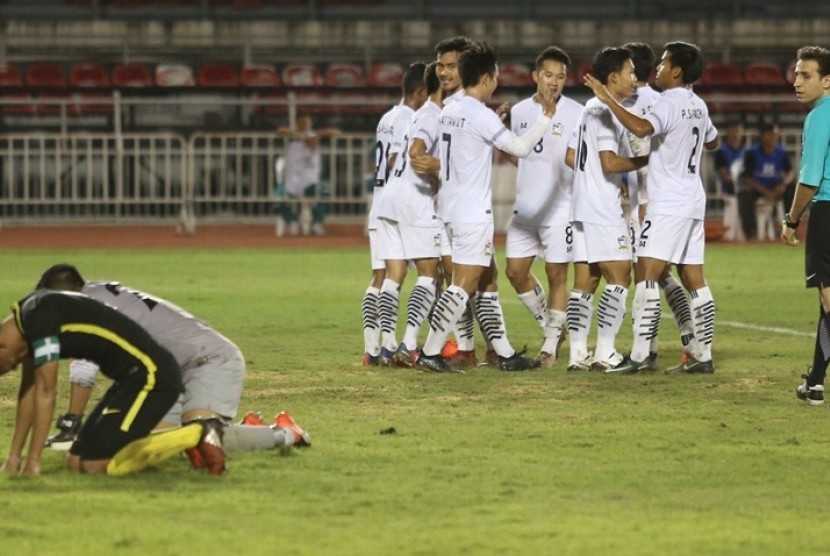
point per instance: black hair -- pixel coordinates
(688, 58)
(552, 53)
(819, 55)
(476, 60)
(610, 60)
(454, 44)
(413, 79)
(643, 57)
(61, 277)
(431, 81)
(764, 128)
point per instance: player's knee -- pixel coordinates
(83, 372)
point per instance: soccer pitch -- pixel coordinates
(543, 462)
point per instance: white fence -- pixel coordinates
(148, 177)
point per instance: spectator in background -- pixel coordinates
(767, 173)
(305, 209)
(729, 164)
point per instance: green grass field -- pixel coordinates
(483, 463)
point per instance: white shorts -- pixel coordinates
(446, 248)
(215, 385)
(634, 234)
(374, 250)
(673, 239)
(471, 244)
(401, 242)
(595, 243)
(555, 242)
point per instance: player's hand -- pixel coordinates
(599, 90)
(31, 468)
(503, 111)
(639, 146)
(788, 235)
(548, 102)
(425, 164)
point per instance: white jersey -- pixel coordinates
(639, 104)
(544, 181)
(383, 148)
(596, 195)
(681, 126)
(192, 342)
(408, 197)
(467, 133)
(302, 166)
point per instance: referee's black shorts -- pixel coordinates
(817, 250)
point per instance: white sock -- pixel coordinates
(679, 303)
(420, 303)
(645, 315)
(371, 321)
(610, 314)
(465, 329)
(703, 313)
(579, 312)
(535, 302)
(555, 322)
(491, 321)
(446, 313)
(388, 309)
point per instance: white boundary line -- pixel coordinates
(759, 328)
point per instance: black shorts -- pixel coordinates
(817, 249)
(111, 425)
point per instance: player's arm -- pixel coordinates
(612, 163)
(570, 158)
(635, 124)
(23, 417)
(45, 382)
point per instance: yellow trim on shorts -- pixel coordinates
(145, 359)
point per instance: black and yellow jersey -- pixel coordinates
(61, 324)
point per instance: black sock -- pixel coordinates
(821, 352)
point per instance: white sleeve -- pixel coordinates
(521, 146)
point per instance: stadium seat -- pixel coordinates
(45, 74)
(317, 102)
(24, 105)
(302, 75)
(88, 75)
(721, 73)
(386, 74)
(273, 109)
(131, 75)
(218, 76)
(763, 74)
(259, 76)
(584, 69)
(514, 75)
(354, 103)
(345, 76)
(174, 75)
(44, 109)
(95, 103)
(789, 73)
(10, 76)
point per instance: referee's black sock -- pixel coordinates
(821, 353)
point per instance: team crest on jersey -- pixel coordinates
(622, 242)
(437, 241)
(488, 249)
(558, 129)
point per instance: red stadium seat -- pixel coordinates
(763, 74)
(721, 73)
(386, 74)
(345, 76)
(174, 75)
(273, 109)
(218, 76)
(131, 75)
(317, 102)
(45, 74)
(24, 105)
(44, 109)
(583, 70)
(514, 75)
(790, 72)
(259, 76)
(88, 75)
(95, 103)
(302, 75)
(10, 76)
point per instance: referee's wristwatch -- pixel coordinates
(789, 223)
